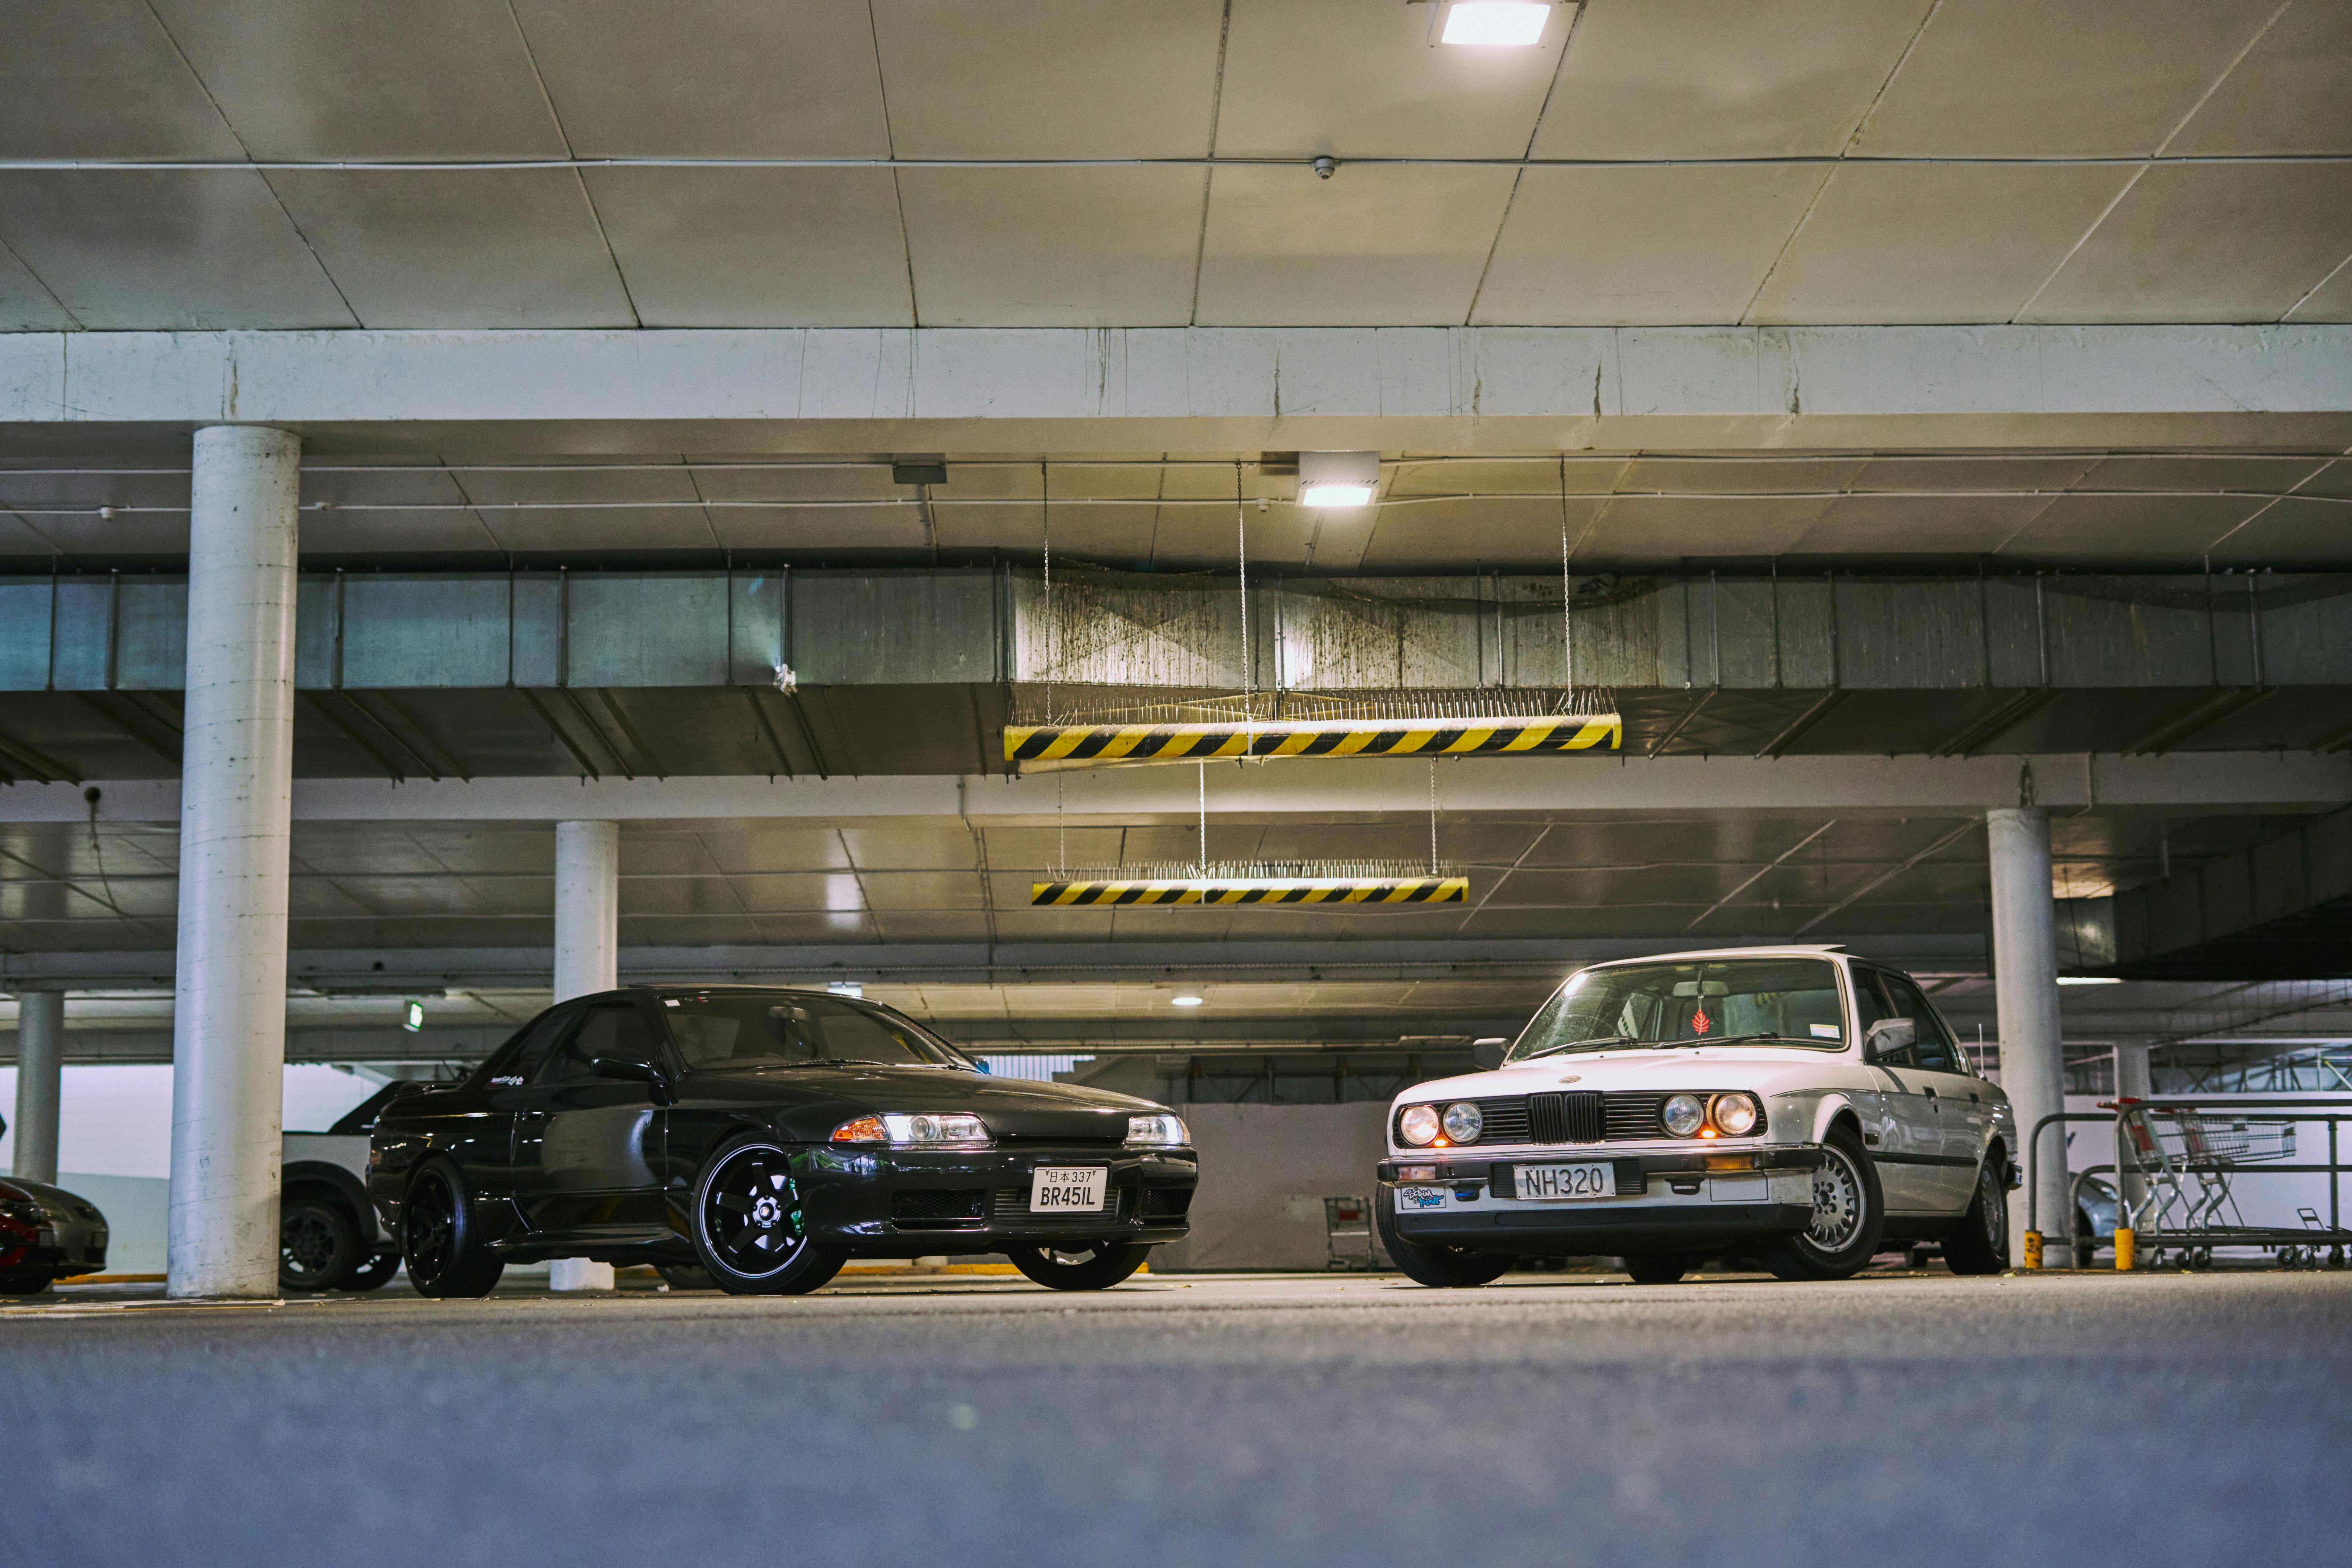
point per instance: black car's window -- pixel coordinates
(614, 1030)
(519, 1060)
(1932, 1051)
(1785, 1000)
(780, 1030)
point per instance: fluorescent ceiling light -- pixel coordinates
(1338, 478)
(1187, 1001)
(2088, 980)
(1495, 23)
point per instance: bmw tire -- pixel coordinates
(1849, 1215)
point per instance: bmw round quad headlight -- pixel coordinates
(1683, 1114)
(1160, 1131)
(1419, 1125)
(951, 1130)
(1463, 1122)
(1736, 1115)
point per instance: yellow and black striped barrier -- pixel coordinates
(1255, 890)
(1072, 745)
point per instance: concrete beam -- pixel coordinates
(1210, 388)
(1321, 790)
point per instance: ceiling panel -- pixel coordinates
(407, 533)
(1702, 79)
(1052, 248)
(343, 78)
(461, 249)
(2148, 531)
(2287, 95)
(1913, 244)
(1649, 529)
(1959, 473)
(99, 79)
(2294, 532)
(2087, 78)
(1303, 76)
(1882, 525)
(1649, 247)
(710, 79)
(599, 520)
(2331, 302)
(25, 305)
(1399, 246)
(1504, 476)
(757, 247)
(2141, 471)
(1733, 477)
(2207, 242)
(1481, 535)
(202, 250)
(1049, 79)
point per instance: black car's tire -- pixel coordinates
(1657, 1268)
(317, 1245)
(750, 1229)
(374, 1274)
(686, 1276)
(25, 1282)
(1441, 1268)
(441, 1236)
(1087, 1266)
(1849, 1216)
(1979, 1243)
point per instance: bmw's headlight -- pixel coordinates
(952, 1129)
(1419, 1126)
(1160, 1131)
(1683, 1114)
(1736, 1115)
(1463, 1122)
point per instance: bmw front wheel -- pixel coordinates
(1849, 1215)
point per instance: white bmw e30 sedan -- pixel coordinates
(1796, 1104)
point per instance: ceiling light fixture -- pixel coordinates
(2088, 980)
(1495, 24)
(1187, 1000)
(1338, 478)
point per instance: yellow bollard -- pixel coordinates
(2032, 1251)
(2127, 1250)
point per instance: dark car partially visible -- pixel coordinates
(46, 1234)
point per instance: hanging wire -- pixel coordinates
(1061, 825)
(1433, 817)
(1204, 818)
(1567, 592)
(1241, 554)
(1053, 640)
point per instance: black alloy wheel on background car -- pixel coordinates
(1442, 1267)
(686, 1276)
(1849, 1215)
(441, 1242)
(748, 1226)
(1081, 1265)
(374, 1274)
(317, 1245)
(1978, 1244)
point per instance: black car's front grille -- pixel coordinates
(1012, 1205)
(935, 1206)
(1167, 1203)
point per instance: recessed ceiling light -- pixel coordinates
(1495, 23)
(1187, 1001)
(1338, 478)
(2088, 980)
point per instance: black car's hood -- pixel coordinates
(1014, 1109)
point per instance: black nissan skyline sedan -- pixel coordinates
(767, 1136)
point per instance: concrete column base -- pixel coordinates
(579, 1274)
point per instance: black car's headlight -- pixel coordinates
(1157, 1132)
(949, 1130)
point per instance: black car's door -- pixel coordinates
(588, 1149)
(478, 1130)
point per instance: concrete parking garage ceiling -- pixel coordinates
(1085, 162)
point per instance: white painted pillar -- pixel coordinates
(2025, 998)
(236, 787)
(40, 1063)
(587, 959)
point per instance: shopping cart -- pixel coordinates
(2185, 1159)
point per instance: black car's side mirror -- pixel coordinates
(1887, 1037)
(1489, 1052)
(636, 1072)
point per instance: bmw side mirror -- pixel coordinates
(636, 1072)
(1489, 1052)
(1887, 1037)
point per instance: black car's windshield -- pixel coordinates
(1779, 1000)
(779, 1029)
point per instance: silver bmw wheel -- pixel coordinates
(1837, 1200)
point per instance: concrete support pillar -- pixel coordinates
(236, 795)
(587, 959)
(40, 1065)
(2025, 997)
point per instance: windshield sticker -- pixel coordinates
(1826, 1031)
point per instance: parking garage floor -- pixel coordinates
(1198, 1419)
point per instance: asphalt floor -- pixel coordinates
(1189, 1419)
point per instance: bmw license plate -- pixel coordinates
(1067, 1189)
(1552, 1182)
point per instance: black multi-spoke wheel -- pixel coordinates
(374, 1273)
(750, 1228)
(317, 1243)
(1849, 1215)
(1079, 1265)
(443, 1245)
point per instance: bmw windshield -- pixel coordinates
(1735, 1001)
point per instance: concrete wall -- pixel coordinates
(1265, 1173)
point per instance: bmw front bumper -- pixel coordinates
(1665, 1201)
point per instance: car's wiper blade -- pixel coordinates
(1734, 1039)
(1582, 1045)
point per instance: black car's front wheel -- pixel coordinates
(1079, 1266)
(750, 1228)
(441, 1238)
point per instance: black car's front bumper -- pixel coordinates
(893, 1203)
(1664, 1202)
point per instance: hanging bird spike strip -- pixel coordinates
(1328, 890)
(1077, 745)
